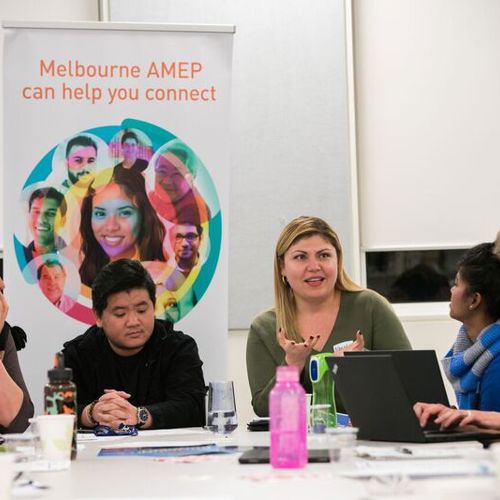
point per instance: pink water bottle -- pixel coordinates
(288, 424)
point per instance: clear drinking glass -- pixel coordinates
(221, 408)
(319, 417)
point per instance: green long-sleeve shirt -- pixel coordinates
(365, 310)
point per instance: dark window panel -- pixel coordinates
(412, 275)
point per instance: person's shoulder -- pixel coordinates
(87, 340)
(264, 321)
(164, 334)
(140, 165)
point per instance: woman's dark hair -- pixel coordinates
(120, 275)
(151, 231)
(479, 267)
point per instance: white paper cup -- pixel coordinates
(6, 474)
(56, 433)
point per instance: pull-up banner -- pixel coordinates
(116, 141)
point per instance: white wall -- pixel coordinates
(427, 80)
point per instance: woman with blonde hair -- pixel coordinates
(317, 307)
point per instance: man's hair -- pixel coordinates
(120, 275)
(80, 140)
(129, 135)
(48, 192)
(49, 263)
(181, 222)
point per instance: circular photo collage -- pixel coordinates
(128, 191)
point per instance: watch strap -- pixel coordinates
(142, 416)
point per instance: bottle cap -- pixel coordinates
(287, 374)
(60, 373)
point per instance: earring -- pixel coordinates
(283, 279)
(470, 308)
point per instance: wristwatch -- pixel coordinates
(142, 416)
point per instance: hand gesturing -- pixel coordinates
(296, 353)
(357, 345)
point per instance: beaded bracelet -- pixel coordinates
(90, 413)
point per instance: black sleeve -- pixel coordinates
(81, 376)
(11, 363)
(184, 388)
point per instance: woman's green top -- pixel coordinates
(365, 310)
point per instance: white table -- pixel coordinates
(221, 477)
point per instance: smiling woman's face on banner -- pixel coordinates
(115, 222)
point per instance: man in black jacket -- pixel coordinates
(130, 368)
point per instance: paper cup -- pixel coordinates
(56, 433)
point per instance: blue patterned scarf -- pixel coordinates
(465, 363)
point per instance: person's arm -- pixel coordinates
(185, 390)
(113, 409)
(452, 417)
(261, 364)
(15, 404)
(387, 332)
(484, 419)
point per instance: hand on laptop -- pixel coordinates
(450, 417)
(296, 353)
(433, 412)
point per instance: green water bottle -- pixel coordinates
(323, 395)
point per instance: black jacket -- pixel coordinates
(170, 383)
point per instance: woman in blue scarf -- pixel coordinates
(473, 363)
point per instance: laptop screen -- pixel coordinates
(419, 372)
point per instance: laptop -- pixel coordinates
(379, 392)
(419, 373)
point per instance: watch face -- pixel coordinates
(142, 415)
